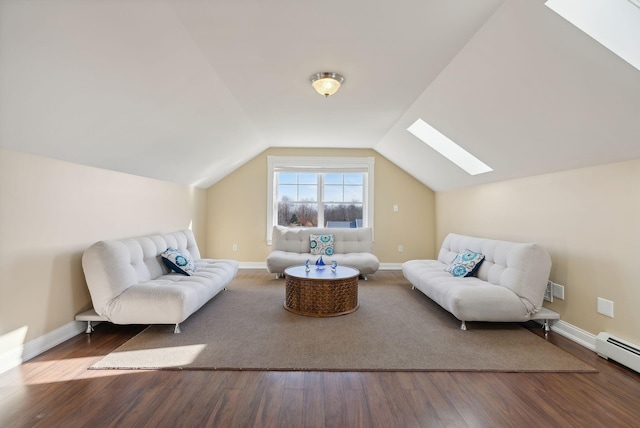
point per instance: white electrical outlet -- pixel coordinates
(400, 249)
(605, 307)
(395, 208)
(235, 247)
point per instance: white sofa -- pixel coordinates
(130, 284)
(352, 247)
(508, 286)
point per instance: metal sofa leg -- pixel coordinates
(89, 328)
(463, 326)
(177, 330)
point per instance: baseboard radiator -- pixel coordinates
(625, 353)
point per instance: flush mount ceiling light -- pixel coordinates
(326, 83)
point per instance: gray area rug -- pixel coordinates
(395, 328)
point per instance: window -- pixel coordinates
(325, 199)
(324, 192)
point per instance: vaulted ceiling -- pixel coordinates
(189, 90)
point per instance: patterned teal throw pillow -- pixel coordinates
(178, 262)
(321, 245)
(465, 264)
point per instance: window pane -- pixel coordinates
(287, 192)
(307, 178)
(333, 194)
(297, 214)
(308, 193)
(333, 178)
(285, 211)
(355, 178)
(353, 193)
(344, 213)
(287, 178)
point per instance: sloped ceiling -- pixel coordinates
(187, 91)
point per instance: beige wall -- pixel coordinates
(589, 221)
(50, 212)
(237, 210)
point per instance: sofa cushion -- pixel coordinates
(179, 262)
(321, 244)
(296, 239)
(121, 274)
(523, 268)
(351, 247)
(171, 298)
(465, 263)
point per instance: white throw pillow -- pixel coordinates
(178, 262)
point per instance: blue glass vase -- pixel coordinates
(320, 263)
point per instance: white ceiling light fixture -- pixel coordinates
(326, 83)
(447, 148)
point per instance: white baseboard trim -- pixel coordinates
(16, 356)
(252, 265)
(390, 266)
(575, 334)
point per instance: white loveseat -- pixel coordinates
(352, 247)
(508, 286)
(130, 284)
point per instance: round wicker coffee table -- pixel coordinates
(321, 292)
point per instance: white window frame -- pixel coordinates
(318, 165)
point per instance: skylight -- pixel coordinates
(613, 23)
(448, 148)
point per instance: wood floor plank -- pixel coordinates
(439, 399)
(405, 380)
(525, 391)
(351, 380)
(377, 401)
(291, 411)
(295, 380)
(313, 405)
(270, 402)
(250, 397)
(358, 413)
(424, 411)
(463, 398)
(206, 399)
(335, 410)
(392, 386)
(225, 408)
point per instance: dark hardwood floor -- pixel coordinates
(56, 390)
